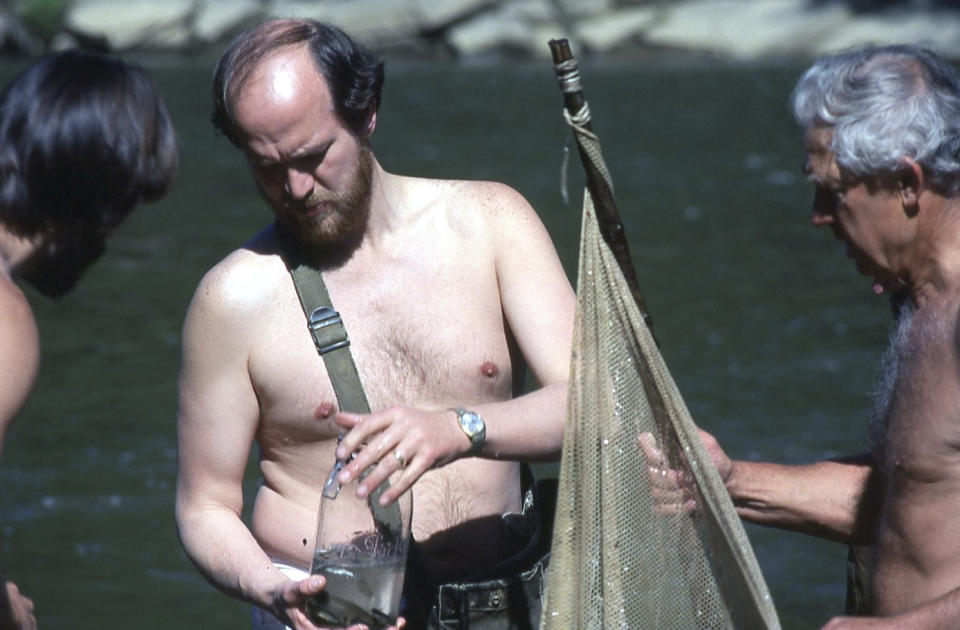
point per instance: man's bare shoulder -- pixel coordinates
(468, 204)
(19, 350)
(247, 278)
(18, 329)
(483, 194)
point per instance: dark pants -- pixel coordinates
(507, 597)
(512, 603)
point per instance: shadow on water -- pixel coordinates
(771, 336)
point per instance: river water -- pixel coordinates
(770, 334)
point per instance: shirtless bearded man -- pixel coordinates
(445, 288)
(882, 139)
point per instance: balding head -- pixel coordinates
(354, 76)
(280, 90)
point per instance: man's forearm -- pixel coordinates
(225, 552)
(941, 613)
(827, 499)
(528, 428)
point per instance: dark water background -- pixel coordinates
(770, 334)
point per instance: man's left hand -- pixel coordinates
(397, 439)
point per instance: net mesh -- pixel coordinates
(645, 534)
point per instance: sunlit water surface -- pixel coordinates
(770, 334)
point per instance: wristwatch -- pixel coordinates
(473, 426)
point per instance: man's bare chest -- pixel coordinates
(431, 346)
(918, 425)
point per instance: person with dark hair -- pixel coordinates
(882, 140)
(84, 138)
(446, 289)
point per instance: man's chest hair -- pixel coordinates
(917, 407)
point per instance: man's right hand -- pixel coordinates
(721, 461)
(16, 611)
(674, 490)
(291, 597)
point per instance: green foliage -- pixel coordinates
(43, 18)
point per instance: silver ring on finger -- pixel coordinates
(398, 455)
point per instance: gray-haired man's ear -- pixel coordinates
(910, 180)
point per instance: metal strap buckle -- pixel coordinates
(322, 318)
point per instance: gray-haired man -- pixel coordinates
(883, 153)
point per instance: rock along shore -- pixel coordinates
(739, 30)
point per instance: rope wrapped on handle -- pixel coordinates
(599, 182)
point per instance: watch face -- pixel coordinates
(472, 423)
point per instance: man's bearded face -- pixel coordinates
(343, 216)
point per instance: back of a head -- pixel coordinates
(352, 72)
(884, 103)
(84, 138)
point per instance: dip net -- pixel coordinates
(645, 534)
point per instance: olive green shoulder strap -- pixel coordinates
(330, 337)
(326, 326)
(333, 345)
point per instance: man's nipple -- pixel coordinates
(489, 369)
(324, 410)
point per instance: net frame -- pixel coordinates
(645, 534)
